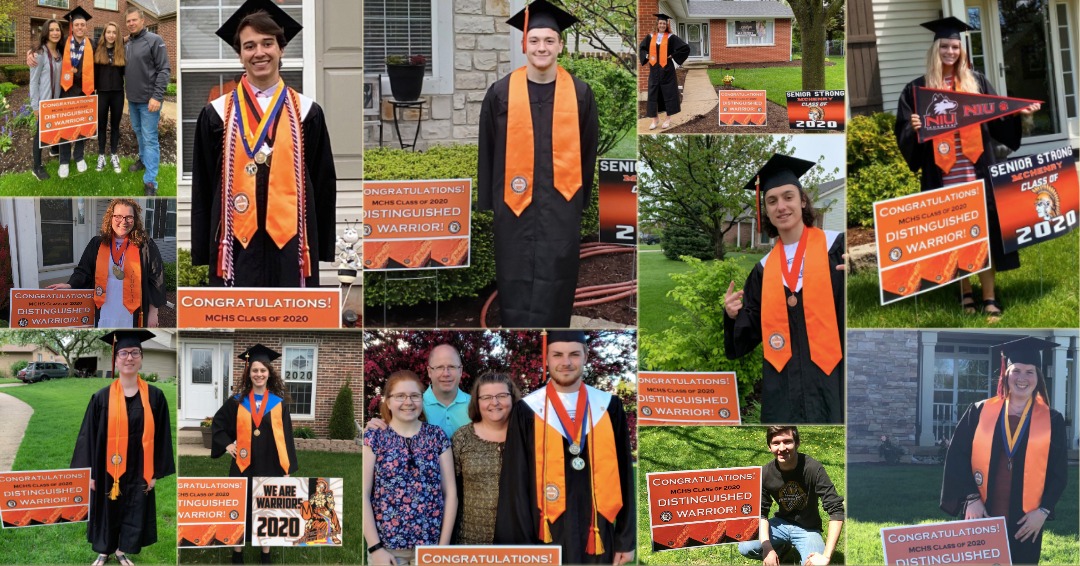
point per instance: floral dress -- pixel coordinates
(406, 494)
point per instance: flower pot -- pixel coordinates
(406, 81)
(207, 437)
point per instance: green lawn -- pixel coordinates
(889, 496)
(778, 80)
(663, 449)
(4, 380)
(626, 148)
(654, 283)
(88, 184)
(1043, 293)
(59, 406)
(323, 464)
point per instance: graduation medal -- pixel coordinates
(792, 301)
(791, 274)
(573, 429)
(118, 264)
(256, 128)
(257, 432)
(1012, 437)
(257, 409)
(578, 463)
(575, 448)
(262, 155)
(251, 169)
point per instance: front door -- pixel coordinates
(205, 378)
(695, 34)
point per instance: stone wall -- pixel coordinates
(882, 389)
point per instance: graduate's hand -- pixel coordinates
(732, 301)
(623, 558)
(1030, 525)
(59, 286)
(231, 449)
(976, 510)
(382, 557)
(771, 559)
(916, 122)
(152, 318)
(93, 486)
(150, 486)
(842, 266)
(816, 559)
(1031, 109)
(376, 424)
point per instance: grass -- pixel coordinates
(323, 464)
(654, 277)
(889, 496)
(1043, 293)
(663, 449)
(4, 380)
(59, 406)
(88, 184)
(778, 80)
(626, 148)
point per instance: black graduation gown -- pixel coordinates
(518, 517)
(958, 482)
(536, 254)
(663, 87)
(130, 522)
(264, 456)
(153, 276)
(1006, 131)
(801, 392)
(262, 264)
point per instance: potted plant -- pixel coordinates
(207, 435)
(406, 74)
(728, 79)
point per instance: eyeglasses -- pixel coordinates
(125, 219)
(401, 397)
(502, 397)
(124, 354)
(441, 369)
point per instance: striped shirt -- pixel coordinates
(964, 170)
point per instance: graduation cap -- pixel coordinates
(541, 14)
(227, 32)
(662, 16)
(120, 339)
(566, 336)
(77, 14)
(1028, 350)
(778, 171)
(947, 28)
(259, 353)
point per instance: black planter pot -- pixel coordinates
(406, 81)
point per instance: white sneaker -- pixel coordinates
(81, 165)
(63, 172)
(101, 162)
(116, 163)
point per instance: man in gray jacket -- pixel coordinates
(146, 77)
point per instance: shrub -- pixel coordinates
(170, 274)
(877, 182)
(18, 74)
(150, 377)
(303, 432)
(612, 86)
(678, 241)
(17, 367)
(7, 88)
(188, 275)
(343, 416)
(170, 89)
(870, 140)
(695, 340)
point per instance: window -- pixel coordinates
(750, 32)
(160, 224)
(54, 3)
(1068, 60)
(7, 39)
(396, 27)
(57, 241)
(299, 372)
(961, 377)
(152, 28)
(97, 34)
(106, 5)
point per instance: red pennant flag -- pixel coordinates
(944, 111)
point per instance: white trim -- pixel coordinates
(314, 346)
(307, 12)
(441, 80)
(729, 25)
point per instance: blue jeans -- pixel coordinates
(145, 124)
(783, 535)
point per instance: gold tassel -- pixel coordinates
(115, 491)
(545, 531)
(598, 543)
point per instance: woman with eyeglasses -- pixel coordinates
(123, 266)
(410, 497)
(255, 429)
(478, 450)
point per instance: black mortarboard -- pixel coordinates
(1025, 351)
(662, 16)
(566, 336)
(779, 170)
(947, 28)
(259, 353)
(227, 31)
(77, 13)
(120, 339)
(542, 14)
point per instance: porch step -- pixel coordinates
(189, 436)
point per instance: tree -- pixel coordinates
(71, 344)
(342, 417)
(814, 16)
(7, 13)
(697, 181)
(607, 25)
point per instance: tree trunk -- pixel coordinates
(813, 51)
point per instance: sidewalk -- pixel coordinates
(699, 98)
(14, 416)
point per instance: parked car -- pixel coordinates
(40, 371)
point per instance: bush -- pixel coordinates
(150, 377)
(188, 275)
(18, 74)
(870, 140)
(303, 432)
(7, 88)
(615, 89)
(343, 416)
(170, 89)
(17, 367)
(877, 182)
(678, 241)
(695, 340)
(170, 274)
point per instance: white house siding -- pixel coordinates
(902, 43)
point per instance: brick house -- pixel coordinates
(314, 366)
(25, 24)
(723, 31)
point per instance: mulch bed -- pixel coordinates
(465, 313)
(858, 236)
(167, 315)
(21, 159)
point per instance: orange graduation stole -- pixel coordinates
(1036, 420)
(244, 432)
(565, 141)
(132, 275)
(86, 66)
(817, 302)
(117, 434)
(663, 49)
(970, 144)
(550, 470)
